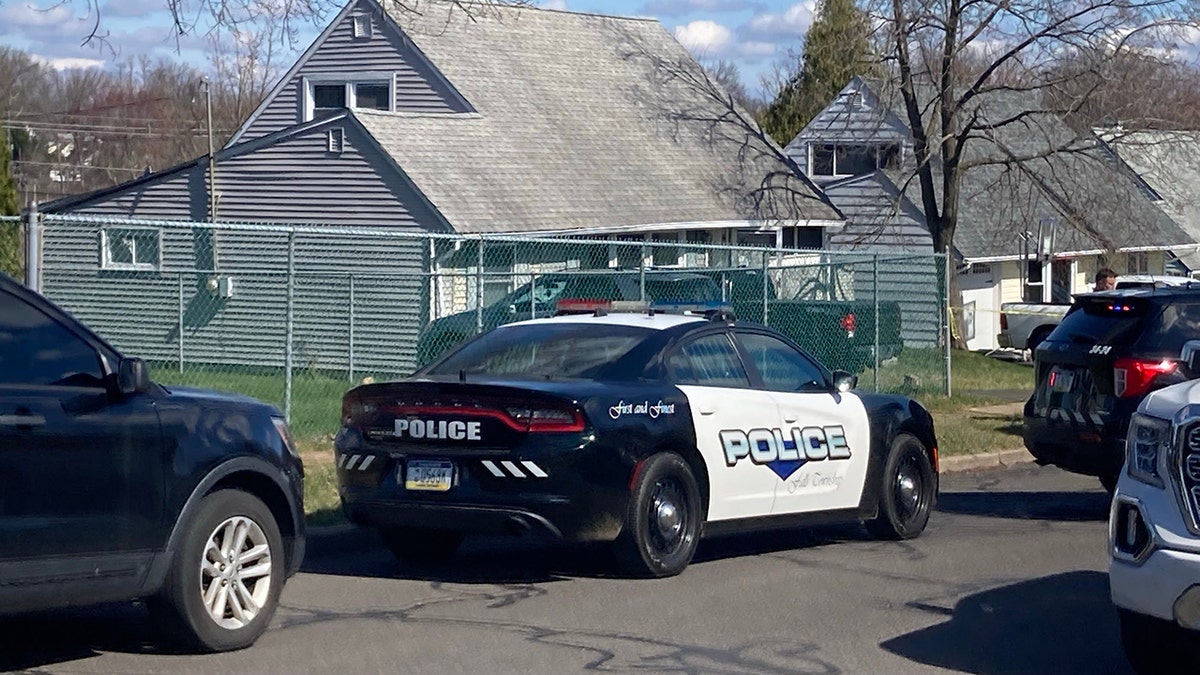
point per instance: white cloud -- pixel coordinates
(704, 37)
(69, 62)
(757, 48)
(681, 7)
(793, 23)
(554, 4)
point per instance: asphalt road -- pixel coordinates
(1009, 578)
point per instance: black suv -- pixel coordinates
(114, 488)
(1110, 350)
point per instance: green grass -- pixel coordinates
(961, 429)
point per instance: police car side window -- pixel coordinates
(35, 349)
(782, 368)
(709, 361)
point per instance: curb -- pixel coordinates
(984, 460)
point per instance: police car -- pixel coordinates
(1154, 529)
(647, 428)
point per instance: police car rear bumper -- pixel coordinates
(559, 519)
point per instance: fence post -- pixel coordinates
(642, 272)
(875, 293)
(479, 288)
(181, 322)
(949, 319)
(766, 291)
(287, 349)
(33, 246)
(351, 364)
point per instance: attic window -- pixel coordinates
(368, 91)
(337, 139)
(361, 26)
(854, 99)
(852, 159)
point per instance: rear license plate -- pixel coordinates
(433, 476)
(1061, 380)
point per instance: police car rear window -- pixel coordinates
(1107, 321)
(564, 351)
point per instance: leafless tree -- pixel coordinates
(950, 59)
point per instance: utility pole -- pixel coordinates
(212, 157)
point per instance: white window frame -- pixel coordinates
(348, 80)
(360, 26)
(812, 151)
(106, 261)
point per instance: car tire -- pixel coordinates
(226, 576)
(663, 519)
(1038, 337)
(421, 545)
(907, 491)
(1156, 646)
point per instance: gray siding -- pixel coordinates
(293, 181)
(877, 219)
(419, 88)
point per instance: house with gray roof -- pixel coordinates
(459, 119)
(485, 119)
(1034, 186)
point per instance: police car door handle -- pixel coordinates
(22, 420)
(790, 417)
(707, 409)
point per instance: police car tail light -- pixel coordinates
(1133, 377)
(352, 409)
(546, 420)
(1146, 448)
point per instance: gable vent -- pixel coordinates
(361, 25)
(337, 140)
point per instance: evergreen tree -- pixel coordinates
(835, 50)
(10, 231)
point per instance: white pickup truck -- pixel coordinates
(1023, 325)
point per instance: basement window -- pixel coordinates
(131, 248)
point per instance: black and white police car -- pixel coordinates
(645, 428)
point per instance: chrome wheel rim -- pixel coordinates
(235, 572)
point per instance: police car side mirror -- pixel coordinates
(843, 381)
(1190, 354)
(133, 377)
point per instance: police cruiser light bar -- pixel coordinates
(601, 307)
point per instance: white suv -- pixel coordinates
(1154, 530)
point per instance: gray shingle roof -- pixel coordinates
(1096, 205)
(582, 122)
(1169, 164)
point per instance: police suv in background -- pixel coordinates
(647, 429)
(1110, 351)
(1154, 529)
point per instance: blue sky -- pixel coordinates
(755, 34)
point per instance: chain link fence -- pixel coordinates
(297, 314)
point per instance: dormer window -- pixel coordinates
(360, 92)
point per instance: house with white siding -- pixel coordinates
(1034, 224)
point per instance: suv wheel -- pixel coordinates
(225, 579)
